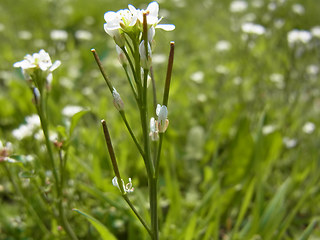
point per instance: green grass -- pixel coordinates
(221, 176)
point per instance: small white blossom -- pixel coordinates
(289, 142)
(83, 35)
(117, 101)
(298, 36)
(278, 80)
(59, 35)
(238, 6)
(70, 110)
(313, 69)
(315, 31)
(252, 28)
(268, 129)
(154, 131)
(298, 9)
(25, 35)
(223, 46)
(36, 61)
(308, 127)
(197, 77)
(126, 187)
(162, 121)
(27, 129)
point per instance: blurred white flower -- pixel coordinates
(237, 80)
(252, 28)
(24, 35)
(5, 151)
(59, 35)
(298, 36)
(313, 69)
(272, 6)
(309, 127)
(154, 131)
(298, 9)
(70, 110)
(126, 187)
(268, 129)
(238, 6)
(278, 79)
(289, 142)
(315, 31)
(83, 35)
(158, 58)
(223, 46)
(197, 76)
(162, 121)
(27, 129)
(279, 23)
(222, 69)
(257, 3)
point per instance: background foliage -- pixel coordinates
(238, 162)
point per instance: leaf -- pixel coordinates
(103, 230)
(75, 119)
(307, 232)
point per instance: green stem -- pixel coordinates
(59, 188)
(123, 115)
(125, 197)
(26, 203)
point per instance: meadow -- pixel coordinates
(240, 157)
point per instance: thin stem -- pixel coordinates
(153, 90)
(122, 113)
(131, 83)
(26, 203)
(96, 57)
(125, 197)
(158, 154)
(111, 153)
(168, 77)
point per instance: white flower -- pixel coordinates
(36, 61)
(308, 127)
(83, 35)
(144, 60)
(162, 121)
(268, 129)
(71, 110)
(222, 46)
(298, 9)
(315, 31)
(238, 6)
(289, 142)
(126, 187)
(197, 76)
(154, 131)
(5, 151)
(124, 20)
(117, 101)
(27, 129)
(252, 28)
(59, 35)
(298, 36)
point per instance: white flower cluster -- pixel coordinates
(126, 187)
(27, 129)
(298, 37)
(5, 151)
(36, 61)
(253, 28)
(130, 20)
(159, 125)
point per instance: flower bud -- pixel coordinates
(117, 101)
(145, 58)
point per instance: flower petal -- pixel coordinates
(166, 27)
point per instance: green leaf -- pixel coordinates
(103, 230)
(75, 119)
(307, 232)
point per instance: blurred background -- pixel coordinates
(241, 155)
